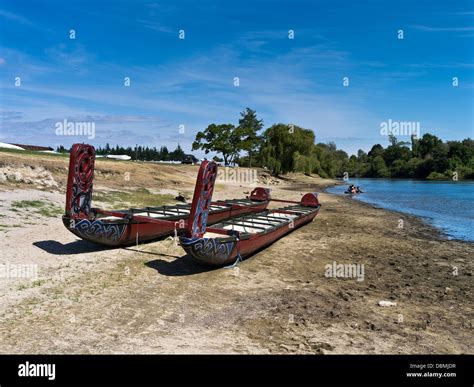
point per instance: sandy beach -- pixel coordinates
(152, 298)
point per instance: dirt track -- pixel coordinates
(154, 299)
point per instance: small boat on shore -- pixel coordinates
(231, 240)
(138, 225)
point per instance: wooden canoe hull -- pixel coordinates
(124, 228)
(122, 232)
(224, 250)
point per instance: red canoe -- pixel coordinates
(231, 240)
(137, 225)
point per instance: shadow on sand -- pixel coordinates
(179, 267)
(76, 247)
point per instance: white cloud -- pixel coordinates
(15, 17)
(156, 26)
(443, 29)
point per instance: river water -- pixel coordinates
(447, 205)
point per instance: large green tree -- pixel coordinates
(281, 142)
(427, 144)
(378, 167)
(222, 139)
(247, 131)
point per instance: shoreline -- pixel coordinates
(443, 235)
(437, 232)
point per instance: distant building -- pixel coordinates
(10, 146)
(34, 147)
(119, 157)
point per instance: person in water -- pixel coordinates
(353, 189)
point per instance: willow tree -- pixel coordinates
(283, 144)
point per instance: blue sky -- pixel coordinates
(190, 81)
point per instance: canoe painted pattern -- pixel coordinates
(98, 230)
(202, 197)
(80, 181)
(211, 251)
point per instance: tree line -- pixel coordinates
(144, 153)
(286, 148)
